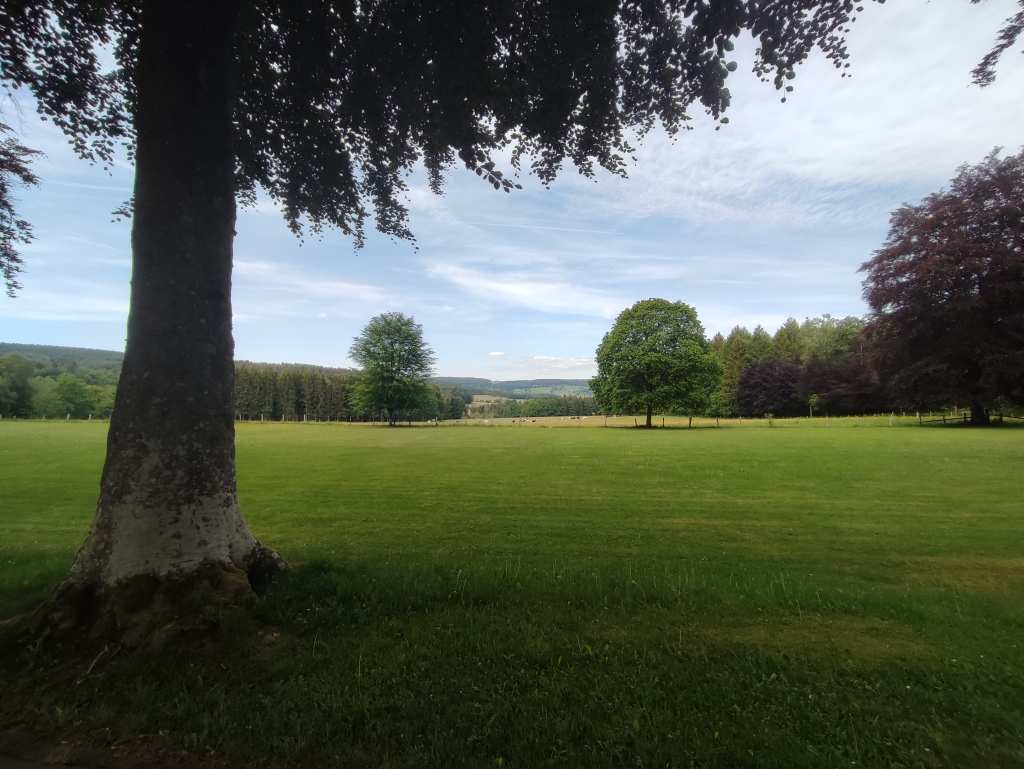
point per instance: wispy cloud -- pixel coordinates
(282, 277)
(519, 289)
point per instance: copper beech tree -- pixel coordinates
(324, 105)
(946, 293)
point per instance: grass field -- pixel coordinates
(488, 596)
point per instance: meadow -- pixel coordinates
(560, 594)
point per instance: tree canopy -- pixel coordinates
(946, 291)
(334, 101)
(655, 357)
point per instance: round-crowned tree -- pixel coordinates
(946, 292)
(655, 357)
(396, 363)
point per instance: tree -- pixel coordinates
(17, 371)
(846, 386)
(655, 357)
(75, 398)
(830, 339)
(396, 363)
(324, 105)
(769, 386)
(735, 359)
(761, 345)
(787, 340)
(946, 292)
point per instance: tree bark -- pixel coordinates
(650, 410)
(978, 414)
(168, 503)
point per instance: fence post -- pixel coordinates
(890, 418)
(943, 418)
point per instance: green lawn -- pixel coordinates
(488, 596)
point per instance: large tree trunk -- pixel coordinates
(168, 507)
(978, 414)
(650, 410)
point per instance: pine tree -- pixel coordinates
(787, 340)
(737, 357)
(761, 346)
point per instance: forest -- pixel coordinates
(297, 393)
(821, 365)
(32, 386)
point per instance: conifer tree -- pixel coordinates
(761, 346)
(787, 340)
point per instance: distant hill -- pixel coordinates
(86, 357)
(83, 357)
(518, 388)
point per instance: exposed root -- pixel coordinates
(146, 611)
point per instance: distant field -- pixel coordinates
(498, 595)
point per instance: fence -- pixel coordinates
(963, 418)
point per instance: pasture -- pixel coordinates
(497, 596)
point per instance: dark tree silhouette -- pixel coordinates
(846, 386)
(985, 73)
(325, 105)
(946, 292)
(770, 386)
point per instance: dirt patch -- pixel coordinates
(27, 750)
(971, 573)
(849, 637)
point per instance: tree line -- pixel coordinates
(564, 406)
(34, 389)
(821, 365)
(296, 394)
(945, 326)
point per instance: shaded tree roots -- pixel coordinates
(146, 610)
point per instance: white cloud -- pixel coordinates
(907, 117)
(323, 315)
(523, 289)
(496, 353)
(282, 277)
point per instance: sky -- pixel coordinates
(768, 218)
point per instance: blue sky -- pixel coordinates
(767, 218)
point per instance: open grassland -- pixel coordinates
(744, 596)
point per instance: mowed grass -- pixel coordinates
(487, 596)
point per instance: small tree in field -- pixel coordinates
(946, 292)
(396, 363)
(655, 357)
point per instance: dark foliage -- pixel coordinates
(336, 100)
(14, 170)
(985, 73)
(847, 386)
(770, 386)
(946, 291)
